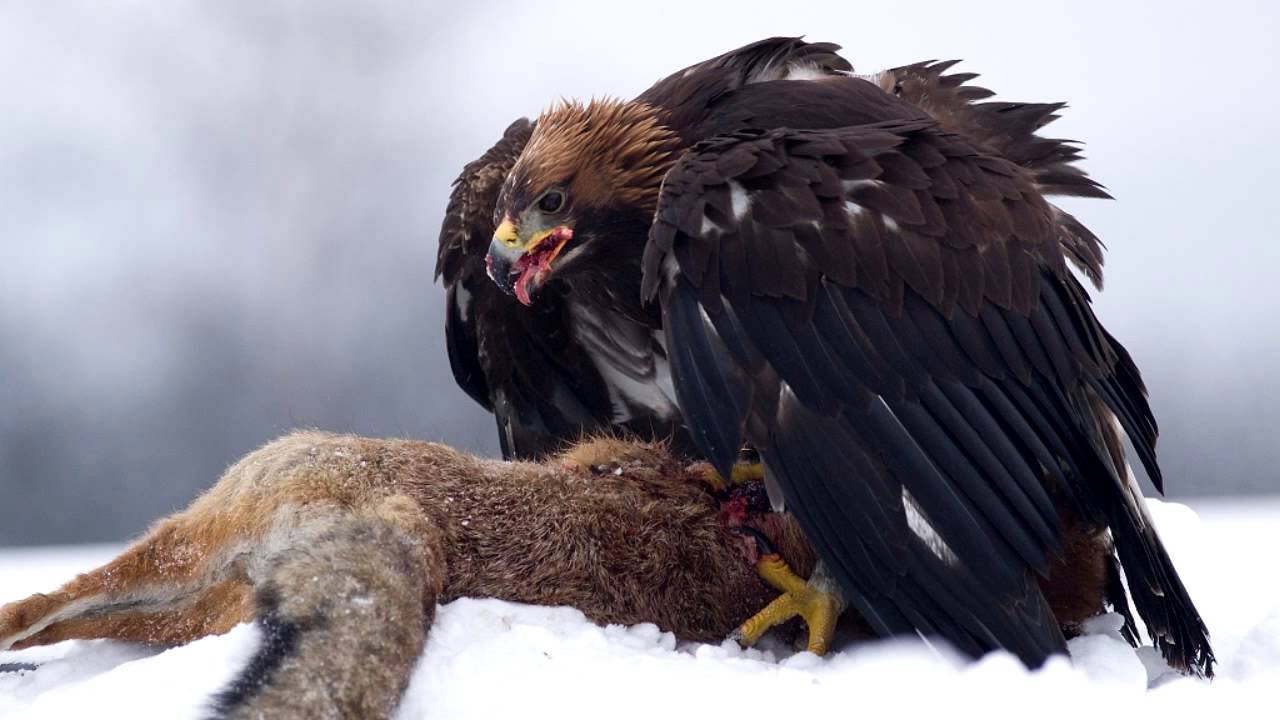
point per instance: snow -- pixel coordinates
(487, 658)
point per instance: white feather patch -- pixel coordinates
(804, 71)
(851, 185)
(740, 199)
(630, 358)
(924, 530)
(462, 299)
(1136, 498)
(709, 227)
(670, 269)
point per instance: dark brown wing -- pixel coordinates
(468, 219)
(1010, 130)
(464, 238)
(885, 312)
(518, 362)
(689, 94)
(693, 97)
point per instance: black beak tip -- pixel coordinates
(499, 270)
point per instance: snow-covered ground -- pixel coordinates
(489, 659)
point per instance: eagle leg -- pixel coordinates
(817, 600)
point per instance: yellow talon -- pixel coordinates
(819, 608)
(741, 474)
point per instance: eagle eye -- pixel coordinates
(552, 201)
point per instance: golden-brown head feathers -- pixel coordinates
(603, 151)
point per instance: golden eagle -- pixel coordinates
(859, 277)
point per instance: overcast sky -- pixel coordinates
(218, 219)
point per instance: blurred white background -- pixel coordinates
(218, 219)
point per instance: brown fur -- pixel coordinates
(608, 150)
(338, 541)
(355, 540)
(361, 580)
(1077, 582)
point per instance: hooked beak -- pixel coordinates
(520, 266)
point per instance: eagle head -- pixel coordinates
(584, 188)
